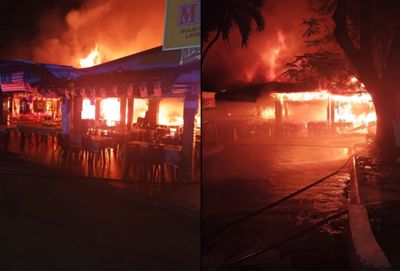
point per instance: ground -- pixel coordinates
(380, 192)
(54, 220)
(250, 174)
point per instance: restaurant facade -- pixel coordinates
(143, 107)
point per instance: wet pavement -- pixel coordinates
(380, 192)
(51, 220)
(246, 177)
(182, 196)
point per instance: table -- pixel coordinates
(145, 155)
(39, 129)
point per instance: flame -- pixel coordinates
(272, 56)
(357, 109)
(268, 113)
(88, 110)
(92, 59)
(302, 96)
(111, 110)
(140, 106)
(171, 112)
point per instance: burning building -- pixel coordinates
(154, 93)
(288, 109)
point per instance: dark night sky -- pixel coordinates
(19, 22)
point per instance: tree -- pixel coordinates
(222, 15)
(363, 35)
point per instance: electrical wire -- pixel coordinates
(278, 243)
(252, 214)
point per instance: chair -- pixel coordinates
(173, 159)
(154, 163)
(75, 147)
(133, 155)
(93, 150)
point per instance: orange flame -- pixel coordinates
(272, 56)
(171, 112)
(347, 106)
(92, 59)
(111, 110)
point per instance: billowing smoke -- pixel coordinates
(228, 65)
(117, 27)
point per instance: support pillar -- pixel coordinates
(188, 137)
(130, 112)
(76, 115)
(66, 116)
(152, 112)
(122, 111)
(278, 118)
(97, 109)
(332, 115)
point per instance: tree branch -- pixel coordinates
(211, 43)
(341, 32)
(364, 67)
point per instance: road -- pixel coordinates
(50, 221)
(246, 177)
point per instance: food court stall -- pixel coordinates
(148, 103)
(27, 106)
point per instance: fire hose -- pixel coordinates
(260, 210)
(278, 243)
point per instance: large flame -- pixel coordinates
(171, 112)
(140, 107)
(357, 109)
(111, 110)
(92, 59)
(273, 54)
(88, 109)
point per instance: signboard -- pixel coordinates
(182, 24)
(207, 100)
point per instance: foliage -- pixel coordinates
(223, 15)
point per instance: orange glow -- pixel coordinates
(272, 55)
(140, 106)
(353, 79)
(92, 59)
(268, 113)
(302, 96)
(111, 110)
(357, 109)
(198, 120)
(88, 110)
(171, 112)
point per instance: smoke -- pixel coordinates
(227, 64)
(117, 27)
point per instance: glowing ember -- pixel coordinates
(111, 110)
(92, 59)
(88, 109)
